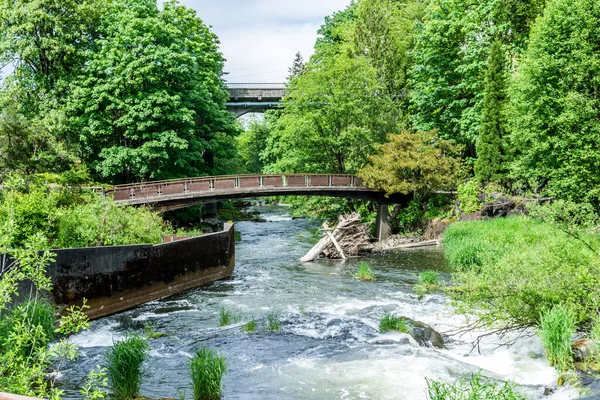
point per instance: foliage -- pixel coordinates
(556, 101)
(429, 278)
(95, 383)
(207, 369)
(489, 167)
(475, 389)
(507, 270)
(364, 272)
(557, 325)
(468, 197)
(249, 326)
(228, 317)
(273, 321)
(124, 366)
(253, 141)
(412, 162)
(390, 322)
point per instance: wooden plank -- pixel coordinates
(336, 244)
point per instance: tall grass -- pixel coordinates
(364, 272)
(124, 366)
(249, 326)
(273, 321)
(475, 389)
(228, 317)
(429, 278)
(207, 369)
(35, 314)
(557, 325)
(390, 322)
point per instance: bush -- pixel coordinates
(390, 322)
(508, 270)
(475, 389)
(467, 196)
(207, 369)
(557, 325)
(364, 272)
(124, 365)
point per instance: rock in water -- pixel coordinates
(583, 348)
(424, 334)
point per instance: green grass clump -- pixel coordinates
(390, 322)
(430, 278)
(150, 333)
(249, 326)
(228, 317)
(557, 325)
(475, 389)
(364, 272)
(207, 369)
(124, 366)
(273, 321)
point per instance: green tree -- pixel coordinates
(556, 103)
(297, 68)
(150, 104)
(412, 162)
(253, 142)
(489, 167)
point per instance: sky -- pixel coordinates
(259, 38)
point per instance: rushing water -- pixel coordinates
(328, 346)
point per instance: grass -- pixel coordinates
(249, 326)
(364, 272)
(390, 322)
(475, 389)
(273, 321)
(38, 314)
(595, 330)
(150, 333)
(429, 278)
(557, 325)
(124, 366)
(228, 317)
(207, 369)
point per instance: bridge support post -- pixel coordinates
(383, 229)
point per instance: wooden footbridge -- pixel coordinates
(180, 193)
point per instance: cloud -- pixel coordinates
(259, 38)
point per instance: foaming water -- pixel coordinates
(328, 346)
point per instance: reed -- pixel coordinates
(364, 272)
(124, 366)
(273, 321)
(557, 325)
(207, 369)
(228, 317)
(390, 322)
(249, 326)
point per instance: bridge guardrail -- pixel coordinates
(148, 190)
(256, 86)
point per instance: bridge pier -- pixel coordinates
(383, 228)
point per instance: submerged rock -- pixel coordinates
(583, 349)
(424, 334)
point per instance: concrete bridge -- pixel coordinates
(245, 98)
(181, 193)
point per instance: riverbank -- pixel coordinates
(329, 345)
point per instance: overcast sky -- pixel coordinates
(259, 38)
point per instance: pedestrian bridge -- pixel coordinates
(181, 193)
(246, 98)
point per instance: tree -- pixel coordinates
(297, 68)
(556, 102)
(253, 142)
(150, 103)
(489, 167)
(412, 162)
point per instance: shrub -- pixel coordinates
(557, 325)
(467, 196)
(249, 326)
(206, 370)
(228, 317)
(475, 389)
(364, 272)
(273, 321)
(124, 365)
(390, 322)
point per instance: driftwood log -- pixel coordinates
(347, 239)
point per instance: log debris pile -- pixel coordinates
(347, 239)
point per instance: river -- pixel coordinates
(328, 346)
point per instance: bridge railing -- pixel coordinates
(149, 190)
(256, 86)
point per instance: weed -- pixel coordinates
(273, 321)
(364, 272)
(475, 389)
(557, 325)
(124, 366)
(390, 322)
(207, 369)
(429, 278)
(249, 326)
(150, 333)
(228, 317)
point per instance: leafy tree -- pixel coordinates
(253, 142)
(556, 103)
(150, 104)
(333, 31)
(412, 162)
(489, 167)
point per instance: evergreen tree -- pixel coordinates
(297, 67)
(489, 166)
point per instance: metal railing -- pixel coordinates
(256, 86)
